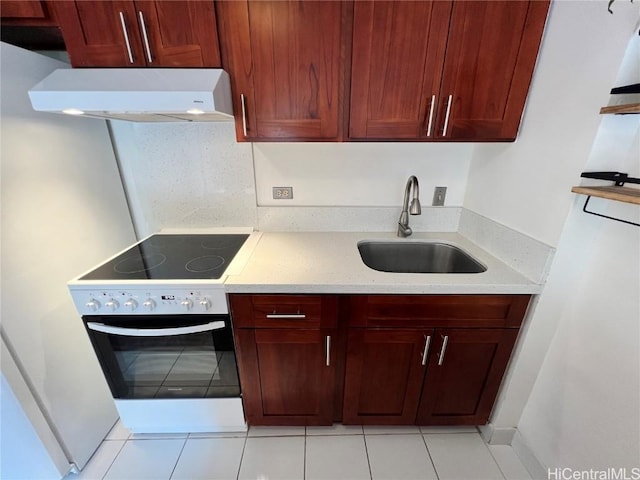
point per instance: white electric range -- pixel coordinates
(158, 319)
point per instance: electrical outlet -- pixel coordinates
(282, 193)
(439, 193)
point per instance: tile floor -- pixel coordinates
(311, 453)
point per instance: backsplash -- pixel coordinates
(197, 175)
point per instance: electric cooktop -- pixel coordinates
(172, 257)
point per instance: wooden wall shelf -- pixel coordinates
(621, 109)
(620, 194)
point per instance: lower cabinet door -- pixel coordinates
(287, 376)
(384, 373)
(464, 374)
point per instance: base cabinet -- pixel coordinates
(463, 375)
(384, 359)
(286, 357)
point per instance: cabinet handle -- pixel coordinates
(446, 118)
(145, 37)
(431, 109)
(288, 316)
(244, 114)
(327, 344)
(443, 349)
(427, 341)
(126, 36)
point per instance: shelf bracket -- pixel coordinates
(584, 209)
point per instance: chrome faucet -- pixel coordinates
(403, 222)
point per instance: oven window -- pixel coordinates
(193, 365)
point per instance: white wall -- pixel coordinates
(359, 174)
(526, 185)
(63, 211)
(581, 344)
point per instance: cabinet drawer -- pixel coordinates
(437, 310)
(284, 311)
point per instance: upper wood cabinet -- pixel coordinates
(141, 33)
(287, 75)
(442, 70)
(27, 12)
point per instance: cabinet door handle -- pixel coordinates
(126, 36)
(443, 349)
(431, 109)
(446, 117)
(244, 114)
(327, 344)
(286, 316)
(145, 37)
(427, 341)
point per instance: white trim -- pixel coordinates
(528, 458)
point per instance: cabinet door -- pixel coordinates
(287, 376)
(26, 12)
(464, 374)
(384, 374)
(98, 33)
(285, 64)
(398, 51)
(491, 52)
(179, 33)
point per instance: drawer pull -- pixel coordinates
(327, 343)
(427, 341)
(443, 349)
(286, 316)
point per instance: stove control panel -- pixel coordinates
(169, 301)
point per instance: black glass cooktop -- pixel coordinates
(172, 257)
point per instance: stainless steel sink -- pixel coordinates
(417, 257)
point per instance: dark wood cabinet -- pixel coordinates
(443, 70)
(285, 63)
(408, 362)
(126, 33)
(465, 369)
(384, 376)
(27, 12)
(286, 357)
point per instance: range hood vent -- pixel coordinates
(137, 95)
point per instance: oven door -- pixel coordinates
(166, 356)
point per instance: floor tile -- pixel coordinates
(336, 457)
(280, 458)
(146, 459)
(337, 429)
(118, 432)
(276, 431)
(157, 436)
(209, 459)
(511, 466)
(446, 429)
(99, 462)
(385, 430)
(218, 435)
(462, 457)
(394, 457)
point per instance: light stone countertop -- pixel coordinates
(329, 262)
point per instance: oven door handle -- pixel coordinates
(154, 332)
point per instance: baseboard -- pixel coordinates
(497, 435)
(536, 469)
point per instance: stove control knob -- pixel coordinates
(92, 304)
(149, 304)
(112, 305)
(205, 303)
(187, 304)
(131, 304)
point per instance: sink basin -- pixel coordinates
(417, 257)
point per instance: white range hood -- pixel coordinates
(138, 95)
